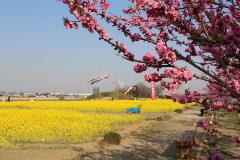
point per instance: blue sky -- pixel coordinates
(38, 54)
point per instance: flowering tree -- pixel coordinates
(208, 30)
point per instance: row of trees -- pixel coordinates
(141, 91)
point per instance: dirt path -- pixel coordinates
(150, 140)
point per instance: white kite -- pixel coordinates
(128, 89)
(98, 79)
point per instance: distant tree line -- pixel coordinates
(144, 91)
(141, 91)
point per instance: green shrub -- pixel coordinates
(167, 117)
(159, 118)
(178, 110)
(112, 138)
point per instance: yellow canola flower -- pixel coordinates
(162, 105)
(69, 121)
(54, 126)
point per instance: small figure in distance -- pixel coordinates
(205, 106)
(9, 98)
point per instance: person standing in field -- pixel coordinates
(204, 106)
(9, 98)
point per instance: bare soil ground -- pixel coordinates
(151, 140)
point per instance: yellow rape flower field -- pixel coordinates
(69, 121)
(162, 105)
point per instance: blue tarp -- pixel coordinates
(133, 110)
